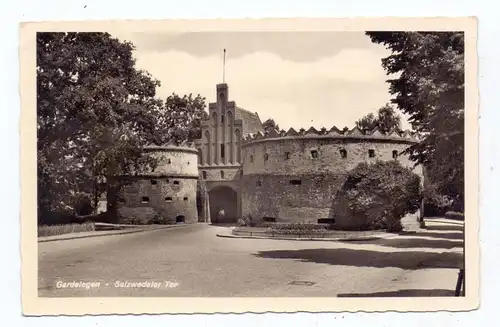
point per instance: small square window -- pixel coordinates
(314, 153)
(145, 199)
(168, 199)
(154, 182)
(296, 182)
(185, 198)
(371, 153)
(176, 182)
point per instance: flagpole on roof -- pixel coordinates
(224, 67)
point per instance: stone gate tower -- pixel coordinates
(219, 152)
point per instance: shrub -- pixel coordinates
(245, 221)
(65, 229)
(454, 215)
(297, 228)
(379, 194)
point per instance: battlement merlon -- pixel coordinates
(333, 133)
(172, 146)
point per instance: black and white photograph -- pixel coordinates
(251, 163)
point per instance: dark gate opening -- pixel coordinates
(180, 219)
(223, 205)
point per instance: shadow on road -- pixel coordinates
(409, 260)
(413, 243)
(402, 293)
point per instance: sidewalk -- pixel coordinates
(130, 230)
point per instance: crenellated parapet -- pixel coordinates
(172, 146)
(333, 133)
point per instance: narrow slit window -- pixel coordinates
(259, 183)
(222, 148)
(222, 119)
(395, 154)
(343, 153)
(266, 157)
(251, 158)
(204, 174)
(287, 155)
(169, 161)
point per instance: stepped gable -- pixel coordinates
(251, 121)
(334, 132)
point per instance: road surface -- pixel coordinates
(192, 261)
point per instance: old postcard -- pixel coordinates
(274, 165)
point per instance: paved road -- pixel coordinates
(192, 261)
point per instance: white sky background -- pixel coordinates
(300, 79)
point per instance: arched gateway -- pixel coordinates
(223, 205)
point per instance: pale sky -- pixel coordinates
(300, 79)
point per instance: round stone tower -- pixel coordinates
(295, 176)
(165, 194)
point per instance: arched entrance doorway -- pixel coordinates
(226, 199)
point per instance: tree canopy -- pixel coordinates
(269, 125)
(180, 119)
(427, 81)
(386, 120)
(95, 113)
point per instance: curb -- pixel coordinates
(367, 238)
(120, 232)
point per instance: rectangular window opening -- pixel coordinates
(314, 153)
(371, 153)
(154, 182)
(176, 182)
(168, 199)
(296, 182)
(222, 148)
(343, 153)
(395, 154)
(259, 183)
(145, 199)
(269, 219)
(185, 198)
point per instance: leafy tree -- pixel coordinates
(380, 194)
(386, 120)
(95, 111)
(180, 119)
(428, 85)
(270, 125)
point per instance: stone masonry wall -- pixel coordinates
(301, 187)
(158, 200)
